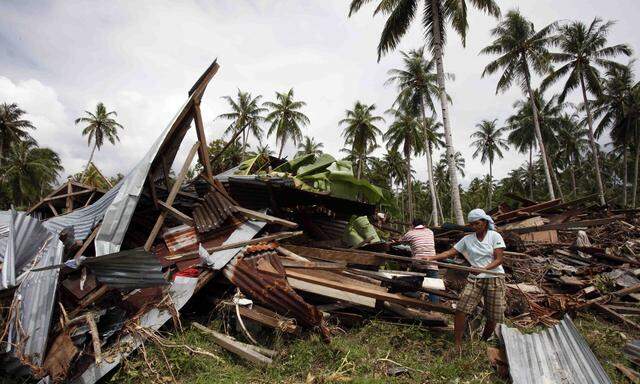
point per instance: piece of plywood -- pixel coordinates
(332, 292)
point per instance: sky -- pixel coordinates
(59, 58)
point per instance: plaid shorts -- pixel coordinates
(492, 290)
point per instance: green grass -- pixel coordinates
(356, 355)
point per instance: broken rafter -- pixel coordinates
(172, 196)
(176, 213)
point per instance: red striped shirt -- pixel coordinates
(422, 243)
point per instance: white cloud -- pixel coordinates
(140, 58)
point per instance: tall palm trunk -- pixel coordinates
(556, 180)
(592, 141)
(359, 174)
(432, 188)
(284, 139)
(244, 142)
(88, 162)
(407, 154)
(538, 132)
(444, 104)
(574, 189)
(490, 186)
(625, 179)
(440, 208)
(531, 171)
(635, 173)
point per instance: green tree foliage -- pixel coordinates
(246, 116)
(29, 171)
(286, 119)
(489, 144)
(99, 125)
(13, 127)
(361, 133)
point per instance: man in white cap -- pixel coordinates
(482, 249)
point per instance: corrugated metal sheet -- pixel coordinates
(23, 240)
(83, 220)
(271, 288)
(558, 354)
(128, 270)
(180, 237)
(218, 260)
(33, 307)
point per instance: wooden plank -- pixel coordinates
(373, 293)
(87, 242)
(172, 196)
(269, 318)
(565, 226)
(176, 213)
(631, 374)
(277, 236)
(203, 152)
(415, 314)
(327, 265)
(615, 316)
(335, 255)
(246, 351)
(69, 196)
(53, 209)
(264, 217)
(412, 260)
(332, 292)
(529, 209)
(91, 196)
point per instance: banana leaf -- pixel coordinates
(292, 165)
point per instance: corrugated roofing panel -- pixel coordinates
(130, 270)
(558, 354)
(23, 240)
(33, 308)
(218, 260)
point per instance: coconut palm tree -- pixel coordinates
(29, 171)
(417, 85)
(246, 115)
(521, 49)
(436, 16)
(489, 144)
(406, 131)
(573, 142)
(13, 127)
(584, 51)
(262, 150)
(522, 131)
(286, 119)
(309, 146)
(360, 130)
(100, 125)
(615, 108)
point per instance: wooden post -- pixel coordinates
(93, 193)
(203, 152)
(53, 209)
(69, 196)
(172, 196)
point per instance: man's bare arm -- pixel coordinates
(444, 255)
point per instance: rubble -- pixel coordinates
(290, 246)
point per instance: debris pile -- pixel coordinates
(293, 246)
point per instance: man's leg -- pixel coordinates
(460, 320)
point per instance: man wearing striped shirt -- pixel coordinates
(422, 244)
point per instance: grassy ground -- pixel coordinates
(361, 355)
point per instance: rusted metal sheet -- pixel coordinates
(213, 212)
(180, 238)
(260, 275)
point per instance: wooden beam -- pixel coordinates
(172, 196)
(246, 351)
(611, 314)
(87, 242)
(333, 293)
(369, 292)
(267, 317)
(53, 209)
(203, 152)
(264, 239)
(334, 255)
(176, 213)
(264, 217)
(69, 196)
(91, 196)
(565, 226)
